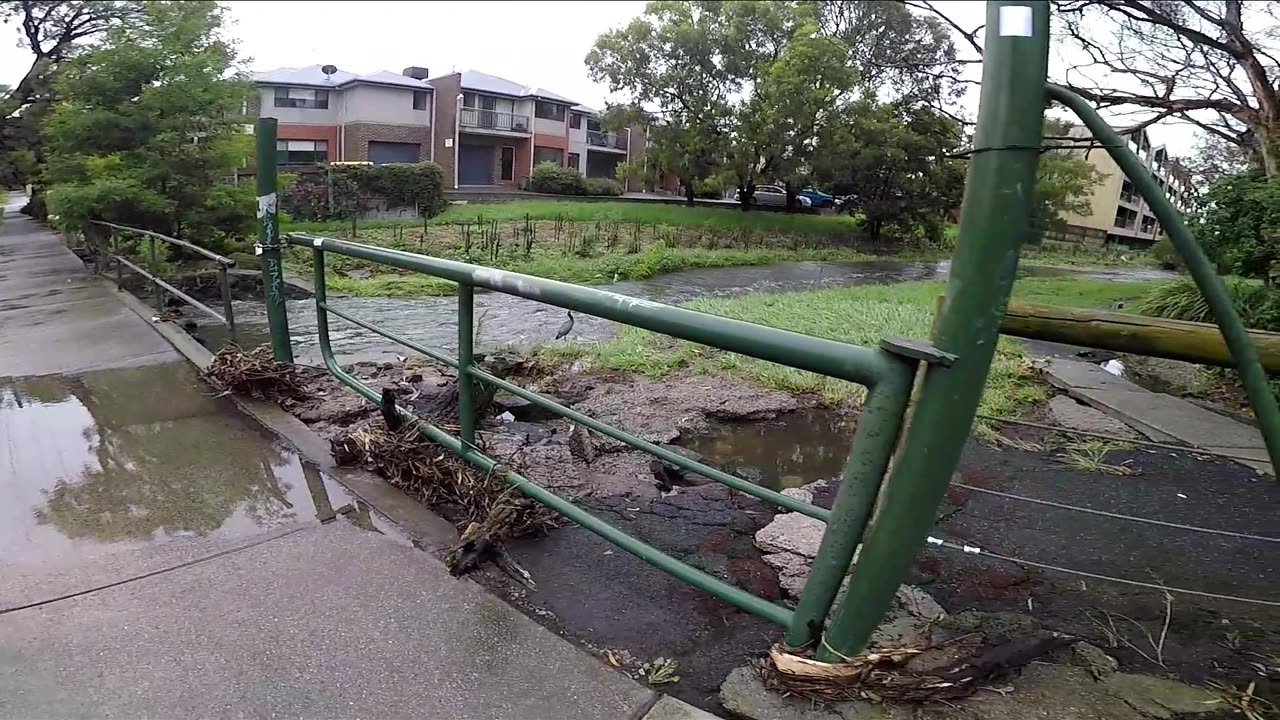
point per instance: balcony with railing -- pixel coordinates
(607, 141)
(480, 119)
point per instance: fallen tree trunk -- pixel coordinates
(1156, 337)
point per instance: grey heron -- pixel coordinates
(566, 327)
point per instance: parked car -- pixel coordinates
(818, 198)
(774, 195)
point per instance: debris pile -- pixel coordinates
(888, 675)
(483, 503)
(254, 373)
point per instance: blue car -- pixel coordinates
(818, 198)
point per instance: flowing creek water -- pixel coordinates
(504, 320)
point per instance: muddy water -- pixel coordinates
(794, 450)
(117, 459)
(791, 451)
(506, 320)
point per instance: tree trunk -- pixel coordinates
(688, 194)
(873, 231)
(791, 197)
(1269, 149)
(746, 195)
(1155, 337)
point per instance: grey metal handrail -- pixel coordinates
(159, 286)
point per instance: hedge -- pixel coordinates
(400, 184)
(554, 179)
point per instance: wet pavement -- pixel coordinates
(116, 459)
(161, 554)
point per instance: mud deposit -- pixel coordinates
(620, 607)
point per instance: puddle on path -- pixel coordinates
(792, 450)
(116, 459)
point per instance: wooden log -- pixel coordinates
(1120, 332)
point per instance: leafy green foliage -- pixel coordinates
(891, 159)
(148, 125)
(339, 191)
(1258, 305)
(554, 179)
(1240, 225)
(1167, 255)
(603, 186)
(401, 184)
(1064, 184)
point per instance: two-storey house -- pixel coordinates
(329, 115)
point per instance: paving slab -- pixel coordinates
(1159, 416)
(55, 318)
(329, 621)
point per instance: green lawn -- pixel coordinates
(861, 315)
(614, 212)
(601, 242)
(581, 242)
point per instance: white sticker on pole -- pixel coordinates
(1015, 21)
(267, 205)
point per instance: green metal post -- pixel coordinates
(466, 338)
(155, 270)
(269, 244)
(873, 444)
(997, 213)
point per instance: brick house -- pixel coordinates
(483, 130)
(496, 130)
(339, 116)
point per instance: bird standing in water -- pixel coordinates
(566, 327)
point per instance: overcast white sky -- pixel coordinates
(534, 43)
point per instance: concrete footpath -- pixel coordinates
(1161, 417)
(161, 556)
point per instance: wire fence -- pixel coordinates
(974, 550)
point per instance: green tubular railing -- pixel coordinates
(887, 376)
(1234, 333)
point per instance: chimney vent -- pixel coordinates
(415, 72)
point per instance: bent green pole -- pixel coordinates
(1202, 270)
(998, 198)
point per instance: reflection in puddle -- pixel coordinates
(793, 450)
(118, 458)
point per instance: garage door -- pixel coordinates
(475, 164)
(381, 153)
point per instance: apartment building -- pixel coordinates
(329, 115)
(1119, 214)
(483, 130)
(496, 130)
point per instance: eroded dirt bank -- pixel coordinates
(629, 612)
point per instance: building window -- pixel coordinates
(548, 111)
(573, 161)
(308, 98)
(575, 121)
(593, 125)
(548, 154)
(1125, 218)
(419, 99)
(301, 152)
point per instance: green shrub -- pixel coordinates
(711, 188)
(1167, 255)
(402, 184)
(549, 177)
(338, 192)
(1257, 304)
(603, 186)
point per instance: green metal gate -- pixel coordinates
(885, 507)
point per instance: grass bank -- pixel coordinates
(584, 243)
(861, 315)
(583, 270)
(609, 212)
